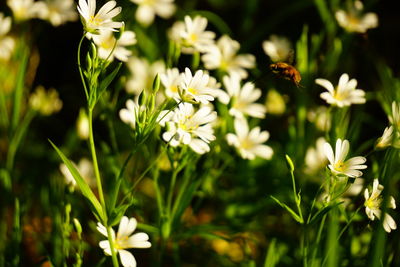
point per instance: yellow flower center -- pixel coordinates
(373, 202)
(174, 88)
(192, 91)
(339, 166)
(108, 43)
(193, 37)
(95, 20)
(246, 144)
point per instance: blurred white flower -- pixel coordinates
(275, 102)
(373, 203)
(27, 9)
(394, 118)
(58, 12)
(124, 240)
(106, 41)
(45, 102)
(92, 22)
(171, 80)
(82, 125)
(344, 94)
(243, 97)
(129, 115)
(189, 127)
(249, 143)
(320, 117)
(142, 74)
(195, 88)
(277, 48)
(315, 159)
(85, 169)
(7, 43)
(390, 137)
(223, 56)
(338, 165)
(353, 20)
(147, 9)
(191, 34)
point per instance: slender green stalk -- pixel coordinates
(100, 188)
(297, 200)
(17, 138)
(80, 66)
(171, 189)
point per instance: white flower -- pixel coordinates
(60, 11)
(315, 159)
(224, 56)
(195, 88)
(171, 79)
(354, 20)
(320, 117)
(243, 97)
(100, 21)
(344, 94)
(275, 103)
(189, 127)
(373, 205)
(191, 34)
(277, 48)
(130, 114)
(7, 43)
(124, 240)
(147, 10)
(85, 169)
(82, 125)
(337, 161)
(390, 137)
(142, 74)
(45, 102)
(394, 118)
(27, 9)
(249, 144)
(106, 41)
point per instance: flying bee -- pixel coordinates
(287, 72)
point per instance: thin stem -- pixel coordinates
(171, 190)
(80, 66)
(95, 164)
(296, 197)
(111, 241)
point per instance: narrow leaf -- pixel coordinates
(318, 215)
(283, 205)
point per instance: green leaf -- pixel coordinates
(106, 82)
(83, 186)
(283, 205)
(274, 254)
(318, 215)
(117, 214)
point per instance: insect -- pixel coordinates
(287, 72)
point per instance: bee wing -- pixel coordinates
(290, 58)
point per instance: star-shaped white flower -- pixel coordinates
(223, 56)
(353, 20)
(106, 41)
(191, 34)
(344, 94)
(195, 88)
(338, 165)
(147, 10)
(124, 240)
(60, 11)
(315, 159)
(277, 48)
(102, 20)
(189, 127)
(390, 137)
(373, 203)
(243, 97)
(249, 143)
(171, 80)
(27, 9)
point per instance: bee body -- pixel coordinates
(286, 71)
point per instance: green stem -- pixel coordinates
(319, 234)
(17, 138)
(171, 190)
(111, 241)
(80, 67)
(296, 197)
